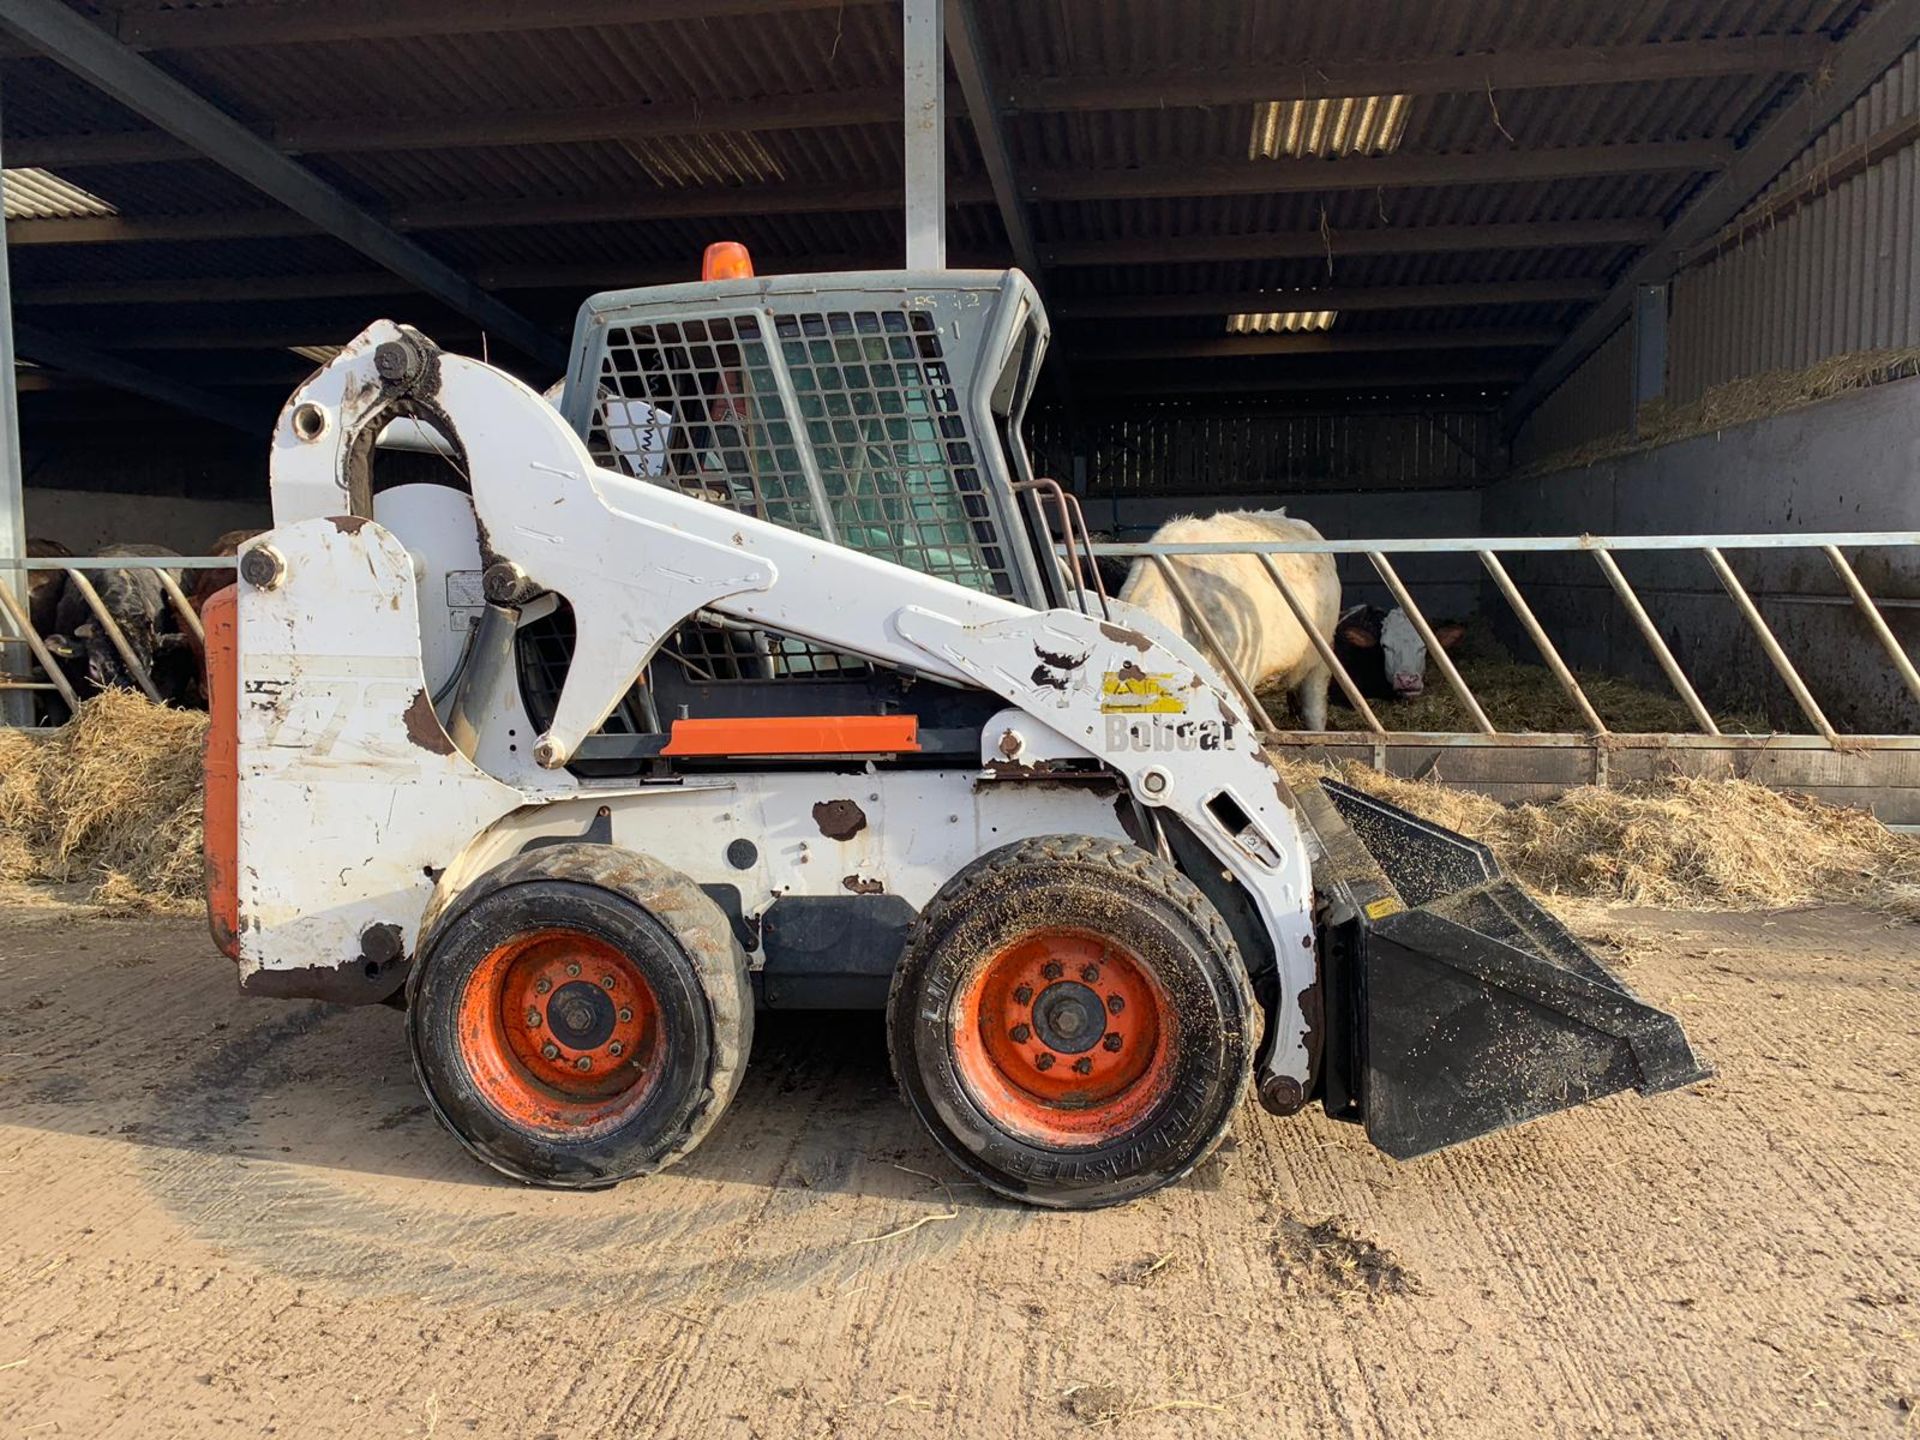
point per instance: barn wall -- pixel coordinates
(1823, 264)
(1210, 448)
(86, 520)
(1374, 469)
(1839, 274)
(1594, 402)
(1846, 464)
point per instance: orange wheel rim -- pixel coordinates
(1064, 1037)
(561, 1032)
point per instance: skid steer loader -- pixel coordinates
(750, 676)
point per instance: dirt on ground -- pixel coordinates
(229, 1216)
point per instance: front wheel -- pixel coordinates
(1073, 1022)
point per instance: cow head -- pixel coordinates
(92, 659)
(1403, 652)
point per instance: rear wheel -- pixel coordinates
(1072, 1021)
(582, 1017)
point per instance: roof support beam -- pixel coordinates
(73, 358)
(970, 64)
(923, 71)
(83, 48)
(1395, 342)
(1263, 177)
(288, 22)
(1365, 172)
(15, 705)
(596, 275)
(1450, 74)
(604, 275)
(364, 135)
(1889, 30)
(1429, 378)
(1345, 298)
(1350, 244)
(1442, 75)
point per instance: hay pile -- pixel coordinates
(110, 803)
(1740, 402)
(1677, 843)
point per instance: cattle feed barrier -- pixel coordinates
(1881, 771)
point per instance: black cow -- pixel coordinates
(1383, 652)
(138, 603)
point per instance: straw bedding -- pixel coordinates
(1740, 402)
(110, 805)
(1676, 843)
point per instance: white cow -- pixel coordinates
(1243, 604)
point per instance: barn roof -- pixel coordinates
(1459, 181)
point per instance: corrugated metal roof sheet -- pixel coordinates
(779, 58)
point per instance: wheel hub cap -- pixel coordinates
(581, 1015)
(1069, 1017)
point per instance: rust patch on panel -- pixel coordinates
(423, 726)
(1313, 1016)
(1125, 636)
(839, 819)
(348, 524)
(861, 886)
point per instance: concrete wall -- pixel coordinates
(86, 520)
(1848, 464)
(1444, 586)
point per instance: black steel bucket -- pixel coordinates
(1454, 1005)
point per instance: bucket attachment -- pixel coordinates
(1455, 1006)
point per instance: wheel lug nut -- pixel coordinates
(1021, 1034)
(626, 1016)
(1053, 970)
(533, 1018)
(616, 1049)
(573, 969)
(583, 1063)
(607, 981)
(1112, 1042)
(1023, 994)
(1045, 1062)
(1090, 974)
(550, 1052)
(1083, 1066)
(542, 985)
(1115, 1004)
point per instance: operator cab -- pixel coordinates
(880, 410)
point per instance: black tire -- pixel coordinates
(661, 937)
(1131, 903)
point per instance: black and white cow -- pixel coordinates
(1384, 653)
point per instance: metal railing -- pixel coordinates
(1488, 551)
(20, 630)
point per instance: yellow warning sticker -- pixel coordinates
(1134, 692)
(1383, 907)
